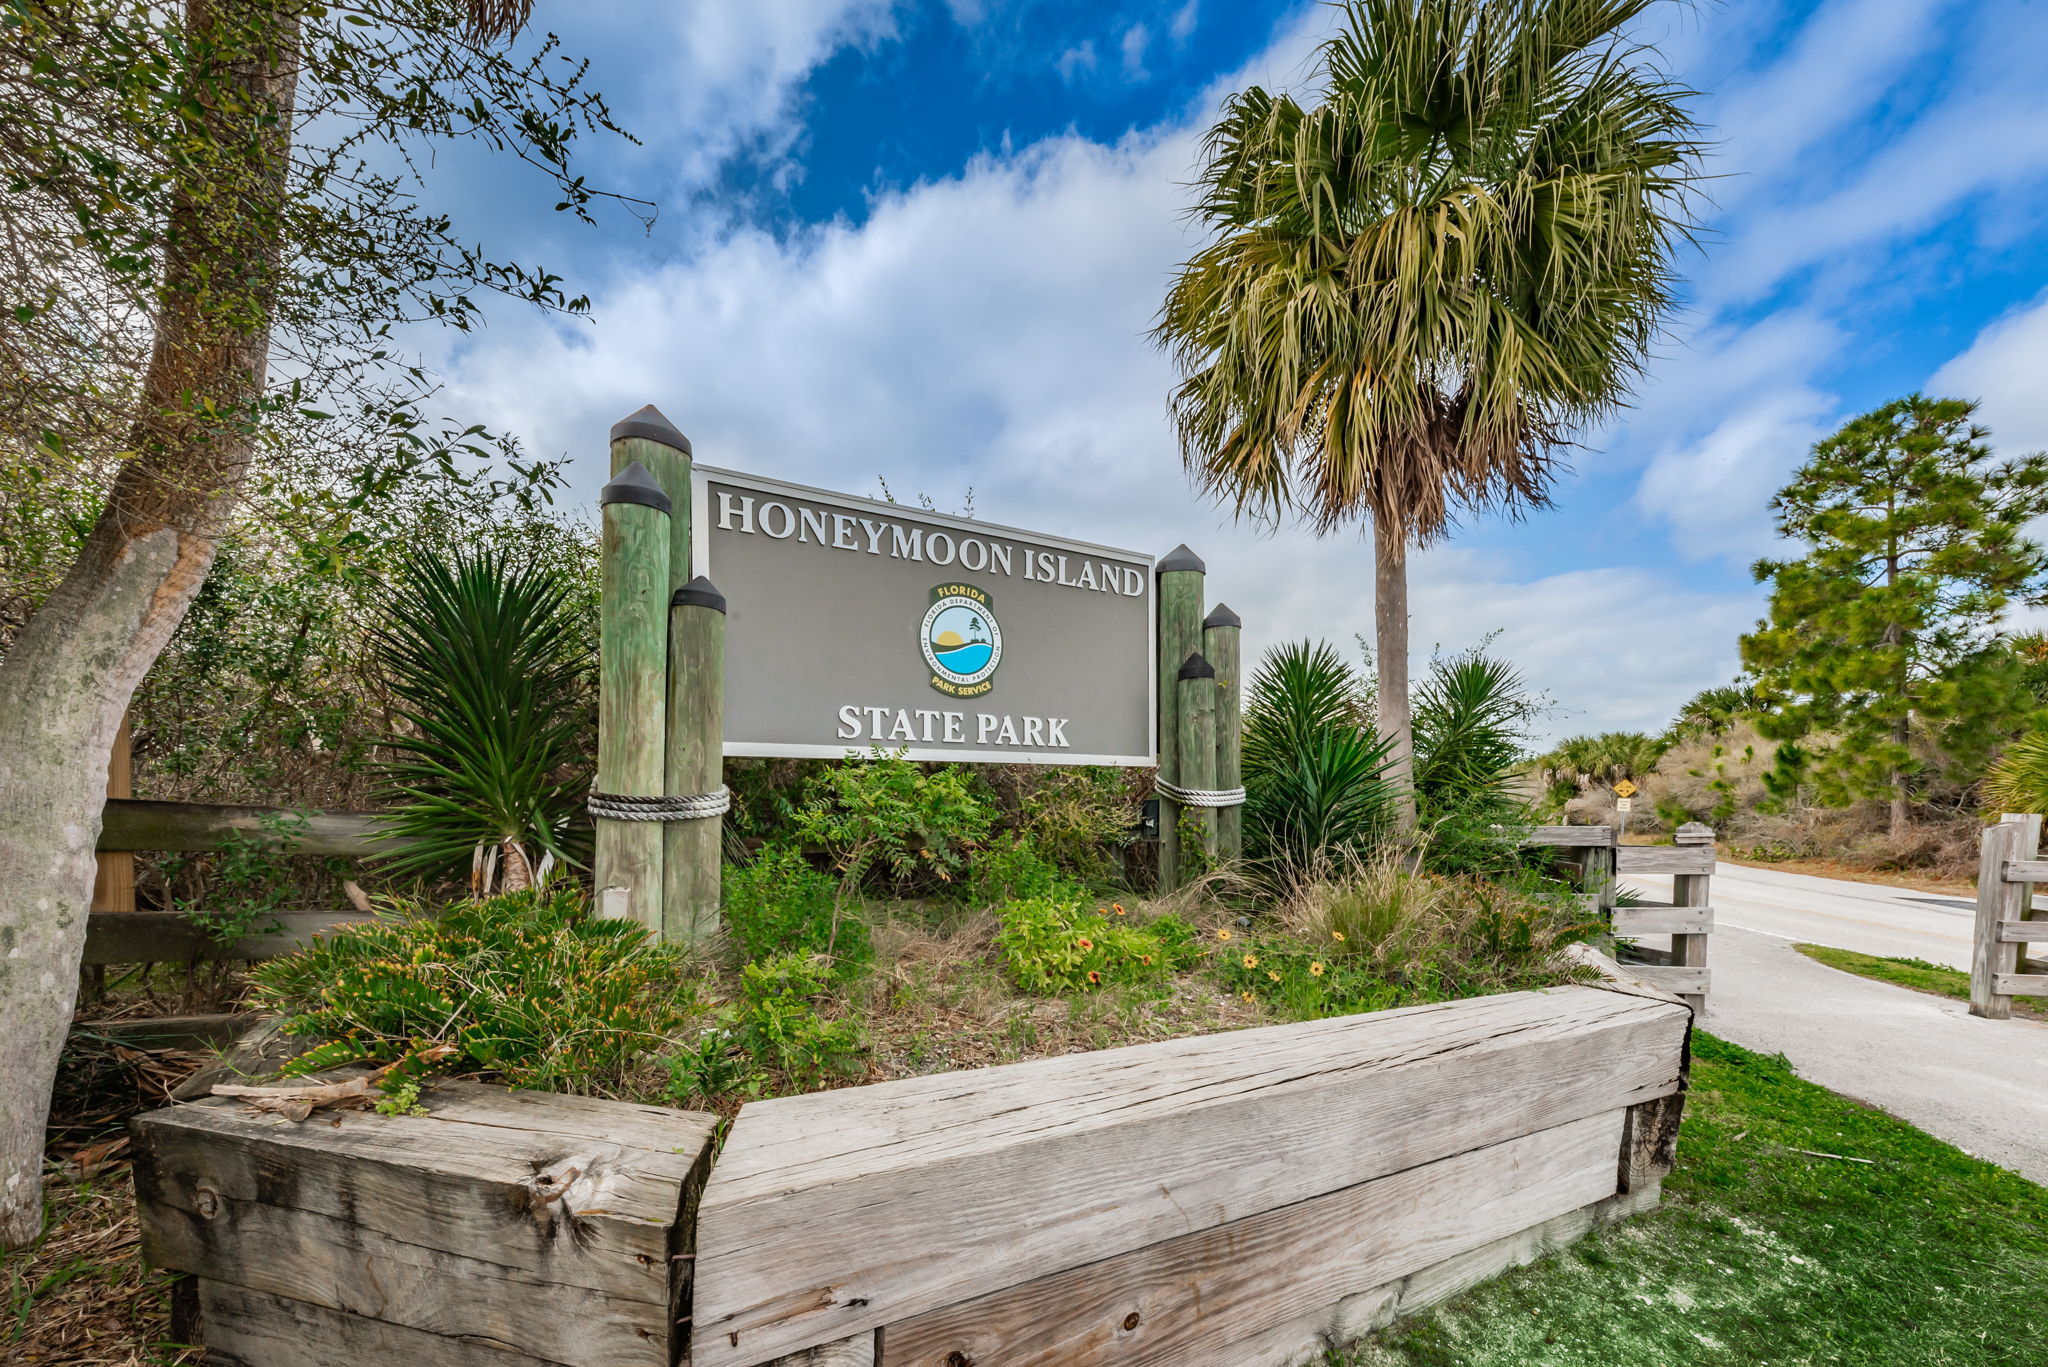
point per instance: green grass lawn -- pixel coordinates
(1918, 974)
(1918, 1256)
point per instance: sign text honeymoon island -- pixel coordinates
(853, 623)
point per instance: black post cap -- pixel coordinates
(699, 593)
(1222, 616)
(1181, 558)
(1197, 667)
(652, 424)
(634, 485)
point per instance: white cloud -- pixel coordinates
(1136, 38)
(1076, 61)
(2006, 369)
(1184, 20)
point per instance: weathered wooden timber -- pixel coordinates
(165, 937)
(1222, 646)
(994, 1180)
(1179, 578)
(141, 824)
(502, 1227)
(632, 689)
(1673, 859)
(692, 851)
(2004, 897)
(1195, 729)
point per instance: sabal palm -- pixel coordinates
(1422, 284)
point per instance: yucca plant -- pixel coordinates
(1314, 767)
(493, 683)
(1472, 718)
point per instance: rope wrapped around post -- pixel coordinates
(694, 807)
(1200, 797)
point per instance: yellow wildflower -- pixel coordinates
(1223, 934)
(1251, 961)
(1315, 970)
(1337, 935)
(1274, 976)
(1246, 996)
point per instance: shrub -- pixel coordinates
(885, 812)
(780, 1025)
(1472, 714)
(1012, 869)
(1313, 765)
(529, 986)
(1054, 945)
(1078, 820)
(779, 904)
(249, 879)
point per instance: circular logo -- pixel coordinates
(961, 639)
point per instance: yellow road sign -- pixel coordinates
(1625, 788)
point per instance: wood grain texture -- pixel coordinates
(1689, 950)
(145, 825)
(1663, 859)
(1178, 605)
(1677, 978)
(558, 1218)
(2020, 984)
(1195, 715)
(1223, 647)
(2000, 898)
(1569, 836)
(2023, 932)
(1186, 1301)
(1306, 1339)
(244, 1328)
(1011, 1173)
(692, 852)
(1663, 920)
(1649, 1143)
(858, 1351)
(164, 937)
(2025, 871)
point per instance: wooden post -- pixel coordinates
(2014, 837)
(1195, 737)
(1221, 632)
(632, 679)
(1179, 619)
(1691, 890)
(113, 888)
(692, 850)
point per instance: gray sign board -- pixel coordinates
(853, 623)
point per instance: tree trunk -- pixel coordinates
(1390, 633)
(1902, 734)
(68, 679)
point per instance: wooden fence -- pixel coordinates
(1233, 1200)
(131, 937)
(1688, 918)
(2008, 867)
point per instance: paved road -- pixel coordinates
(1981, 1085)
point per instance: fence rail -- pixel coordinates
(1688, 918)
(2007, 869)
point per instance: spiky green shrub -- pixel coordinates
(1313, 765)
(2018, 781)
(1472, 717)
(493, 682)
(530, 987)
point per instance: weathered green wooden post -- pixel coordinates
(1221, 631)
(650, 438)
(632, 679)
(1195, 725)
(1179, 609)
(691, 845)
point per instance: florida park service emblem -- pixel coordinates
(961, 640)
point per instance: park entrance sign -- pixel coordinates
(746, 616)
(853, 623)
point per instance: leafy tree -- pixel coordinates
(194, 192)
(1580, 762)
(1424, 282)
(1888, 625)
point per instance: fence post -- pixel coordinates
(1691, 890)
(2014, 837)
(692, 849)
(1197, 744)
(1178, 609)
(632, 678)
(1221, 634)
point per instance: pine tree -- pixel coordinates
(1887, 629)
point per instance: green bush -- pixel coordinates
(883, 812)
(1054, 945)
(780, 1025)
(1472, 717)
(1313, 765)
(779, 904)
(1012, 869)
(1078, 820)
(529, 986)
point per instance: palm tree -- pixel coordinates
(1424, 283)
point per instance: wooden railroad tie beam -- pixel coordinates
(140, 824)
(1693, 860)
(2020, 984)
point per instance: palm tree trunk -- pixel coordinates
(1390, 640)
(67, 681)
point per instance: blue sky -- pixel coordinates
(922, 242)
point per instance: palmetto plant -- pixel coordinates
(1472, 718)
(1422, 283)
(1314, 767)
(1585, 761)
(493, 684)
(2018, 781)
